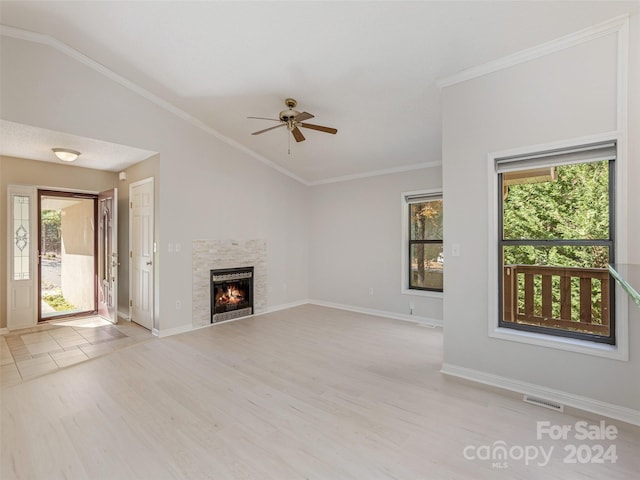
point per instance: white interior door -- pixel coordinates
(141, 256)
(22, 271)
(108, 255)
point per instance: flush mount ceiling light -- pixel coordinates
(66, 154)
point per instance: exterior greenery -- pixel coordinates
(573, 207)
(51, 232)
(58, 302)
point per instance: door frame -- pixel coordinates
(67, 194)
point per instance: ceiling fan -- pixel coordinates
(292, 119)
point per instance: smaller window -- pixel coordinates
(425, 248)
(21, 247)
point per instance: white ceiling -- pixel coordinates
(368, 69)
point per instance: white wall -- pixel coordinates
(208, 189)
(563, 95)
(356, 243)
(77, 256)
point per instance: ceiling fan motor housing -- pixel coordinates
(287, 115)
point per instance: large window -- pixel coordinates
(425, 253)
(556, 229)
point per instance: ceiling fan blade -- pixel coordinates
(301, 117)
(320, 128)
(263, 118)
(267, 129)
(297, 134)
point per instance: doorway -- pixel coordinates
(77, 258)
(67, 254)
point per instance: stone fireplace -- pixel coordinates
(210, 254)
(231, 293)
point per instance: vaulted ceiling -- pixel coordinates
(369, 69)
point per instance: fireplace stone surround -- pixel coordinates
(231, 293)
(210, 255)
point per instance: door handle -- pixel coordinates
(149, 262)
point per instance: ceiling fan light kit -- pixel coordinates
(292, 119)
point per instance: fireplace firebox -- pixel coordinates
(231, 293)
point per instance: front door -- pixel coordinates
(108, 255)
(141, 256)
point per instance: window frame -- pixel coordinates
(610, 243)
(619, 351)
(407, 199)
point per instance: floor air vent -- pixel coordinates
(542, 402)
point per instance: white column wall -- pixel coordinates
(567, 94)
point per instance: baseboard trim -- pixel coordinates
(189, 328)
(4, 331)
(432, 322)
(124, 316)
(586, 404)
(284, 306)
(175, 331)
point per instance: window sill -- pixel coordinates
(614, 352)
(422, 293)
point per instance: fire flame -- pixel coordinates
(231, 296)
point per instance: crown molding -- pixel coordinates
(65, 49)
(376, 173)
(613, 25)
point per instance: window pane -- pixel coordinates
(592, 256)
(21, 237)
(426, 266)
(562, 287)
(426, 220)
(566, 202)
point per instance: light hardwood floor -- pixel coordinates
(304, 393)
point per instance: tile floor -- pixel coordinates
(35, 351)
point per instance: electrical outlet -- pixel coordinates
(412, 305)
(178, 305)
(370, 290)
(455, 250)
